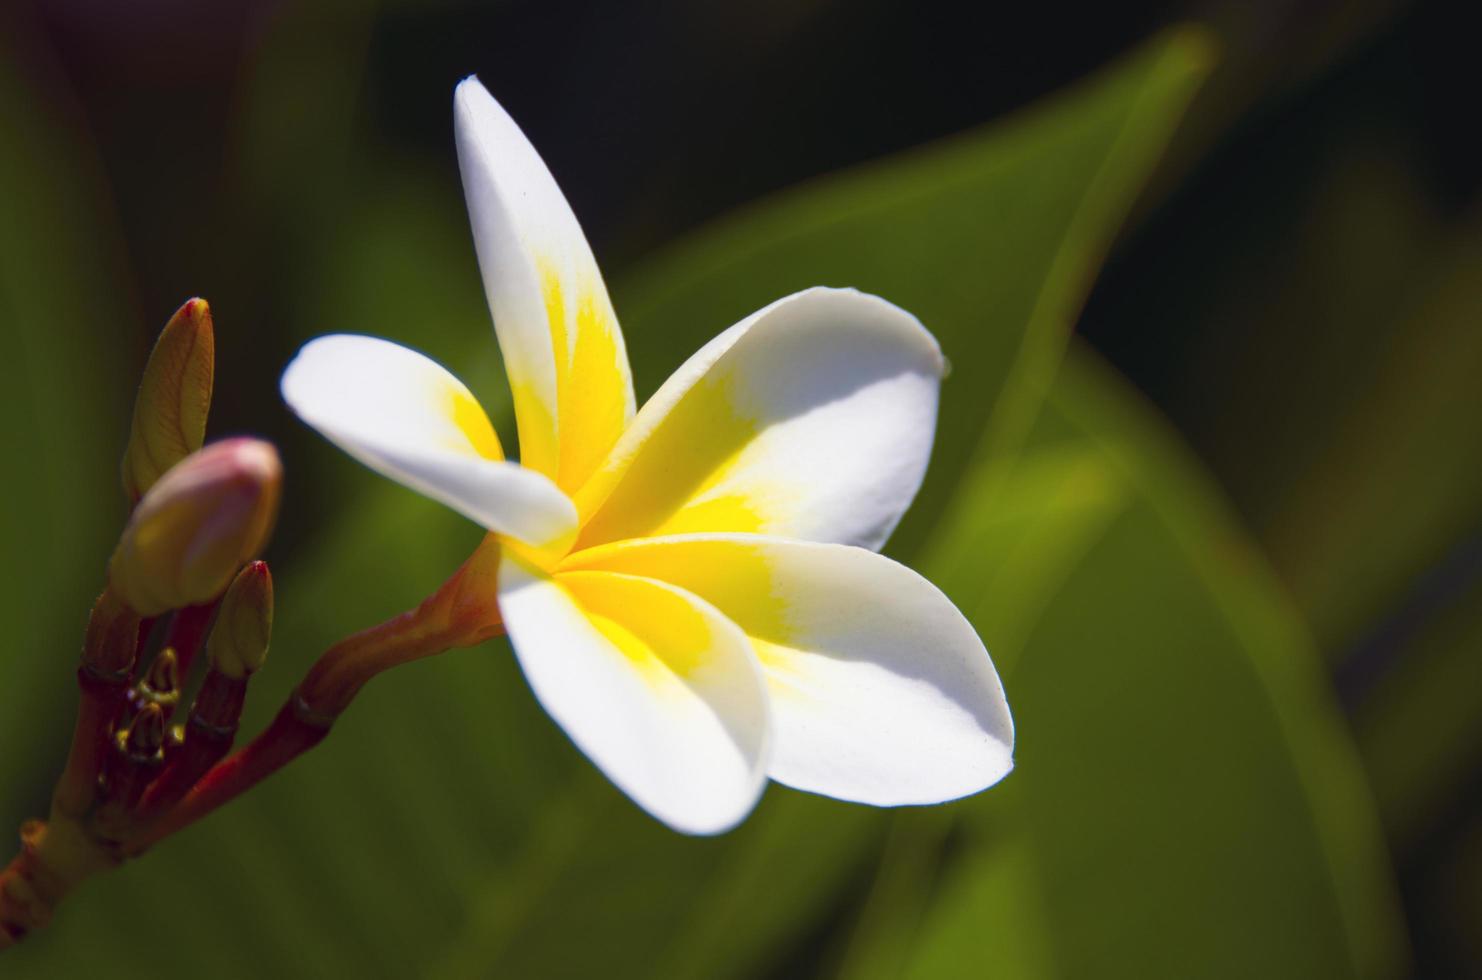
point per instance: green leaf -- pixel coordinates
(1341, 417)
(1393, 474)
(992, 238)
(1186, 801)
(447, 827)
(1377, 471)
(1420, 732)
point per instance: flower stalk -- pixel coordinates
(103, 683)
(461, 613)
(129, 785)
(187, 632)
(198, 512)
(135, 761)
(239, 646)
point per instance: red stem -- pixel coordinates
(100, 703)
(103, 683)
(146, 626)
(304, 720)
(281, 742)
(125, 779)
(463, 612)
(209, 733)
(23, 906)
(187, 631)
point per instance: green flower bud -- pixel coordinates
(174, 397)
(239, 639)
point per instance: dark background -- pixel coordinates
(1262, 295)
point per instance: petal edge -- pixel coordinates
(655, 686)
(813, 419)
(882, 692)
(563, 350)
(408, 418)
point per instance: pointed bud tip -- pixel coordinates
(239, 640)
(197, 311)
(190, 325)
(163, 679)
(194, 528)
(257, 576)
(174, 398)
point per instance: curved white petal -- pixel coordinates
(563, 351)
(659, 690)
(881, 690)
(406, 417)
(811, 419)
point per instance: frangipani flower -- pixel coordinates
(691, 589)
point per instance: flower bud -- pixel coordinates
(145, 735)
(197, 525)
(239, 641)
(161, 684)
(174, 397)
(138, 755)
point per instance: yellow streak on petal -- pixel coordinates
(733, 577)
(543, 557)
(656, 630)
(731, 512)
(681, 480)
(592, 387)
(468, 415)
(537, 428)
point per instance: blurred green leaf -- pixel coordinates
(448, 827)
(1332, 385)
(1421, 732)
(1327, 288)
(992, 238)
(1396, 480)
(1186, 801)
(1395, 501)
(66, 314)
(1386, 472)
(1358, 462)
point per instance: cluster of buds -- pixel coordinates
(183, 570)
(143, 766)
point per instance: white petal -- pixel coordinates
(563, 350)
(881, 691)
(811, 419)
(657, 688)
(406, 417)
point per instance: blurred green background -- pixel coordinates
(1207, 479)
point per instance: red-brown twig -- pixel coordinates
(187, 632)
(209, 733)
(103, 681)
(462, 613)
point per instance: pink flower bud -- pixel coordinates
(197, 525)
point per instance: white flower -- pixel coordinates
(692, 590)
